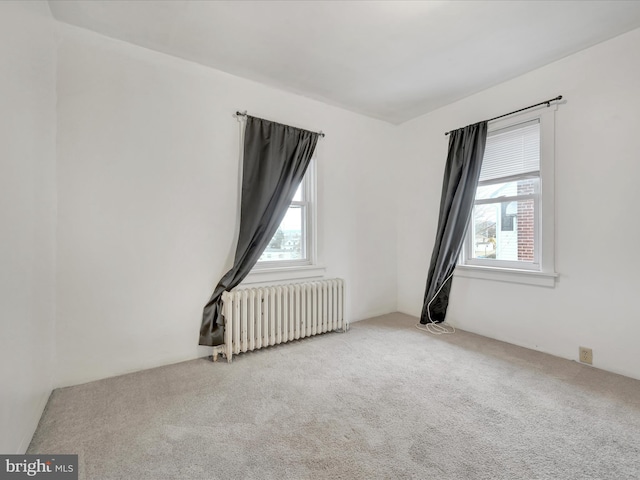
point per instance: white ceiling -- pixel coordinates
(392, 60)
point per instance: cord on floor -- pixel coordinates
(436, 328)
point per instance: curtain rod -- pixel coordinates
(244, 114)
(547, 102)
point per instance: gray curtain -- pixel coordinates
(276, 157)
(464, 161)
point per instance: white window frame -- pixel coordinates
(283, 270)
(542, 271)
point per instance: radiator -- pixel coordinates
(260, 317)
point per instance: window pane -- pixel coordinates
(504, 231)
(298, 196)
(288, 243)
(508, 189)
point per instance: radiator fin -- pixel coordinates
(260, 317)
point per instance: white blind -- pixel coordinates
(514, 150)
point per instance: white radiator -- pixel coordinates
(260, 317)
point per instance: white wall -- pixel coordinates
(147, 177)
(594, 302)
(27, 215)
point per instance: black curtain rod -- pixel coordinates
(244, 114)
(546, 102)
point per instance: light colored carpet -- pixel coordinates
(384, 400)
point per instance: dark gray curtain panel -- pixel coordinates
(276, 158)
(464, 161)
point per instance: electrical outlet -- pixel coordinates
(585, 355)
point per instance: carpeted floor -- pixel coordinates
(383, 401)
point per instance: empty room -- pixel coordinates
(319, 239)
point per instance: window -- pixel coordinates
(294, 242)
(503, 224)
(510, 234)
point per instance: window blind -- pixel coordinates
(510, 151)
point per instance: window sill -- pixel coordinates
(541, 279)
(282, 274)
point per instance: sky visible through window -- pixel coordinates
(288, 243)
